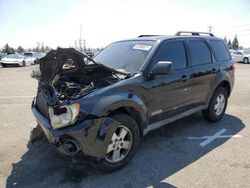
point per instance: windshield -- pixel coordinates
(126, 56)
(16, 56)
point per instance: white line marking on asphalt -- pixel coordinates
(16, 97)
(209, 139)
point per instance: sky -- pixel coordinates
(57, 23)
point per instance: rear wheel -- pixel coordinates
(246, 60)
(4, 65)
(123, 144)
(217, 105)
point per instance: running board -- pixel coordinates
(172, 119)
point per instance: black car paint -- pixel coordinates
(149, 98)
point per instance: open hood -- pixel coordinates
(52, 64)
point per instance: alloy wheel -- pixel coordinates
(219, 104)
(120, 145)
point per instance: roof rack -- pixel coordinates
(148, 36)
(194, 33)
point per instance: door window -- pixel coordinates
(174, 52)
(199, 52)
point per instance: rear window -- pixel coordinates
(199, 52)
(220, 50)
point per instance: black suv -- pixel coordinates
(102, 107)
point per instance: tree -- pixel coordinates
(7, 49)
(235, 44)
(20, 49)
(229, 44)
(42, 49)
(225, 39)
(47, 49)
(37, 49)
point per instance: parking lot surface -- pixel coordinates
(190, 152)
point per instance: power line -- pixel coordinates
(242, 25)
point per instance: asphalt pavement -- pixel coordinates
(190, 152)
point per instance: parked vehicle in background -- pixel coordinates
(14, 60)
(101, 107)
(240, 56)
(2, 55)
(89, 53)
(34, 57)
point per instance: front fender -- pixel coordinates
(102, 106)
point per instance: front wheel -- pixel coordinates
(123, 144)
(217, 105)
(23, 64)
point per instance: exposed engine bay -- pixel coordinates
(67, 74)
(74, 85)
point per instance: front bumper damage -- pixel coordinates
(91, 136)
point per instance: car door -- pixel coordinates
(204, 69)
(169, 93)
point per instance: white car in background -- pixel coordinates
(240, 56)
(33, 57)
(14, 59)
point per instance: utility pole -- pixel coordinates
(80, 39)
(75, 44)
(210, 28)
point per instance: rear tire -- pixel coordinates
(131, 141)
(246, 60)
(217, 105)
(4, 65)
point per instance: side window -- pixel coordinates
(174, 52)
(220, 50)
(199, 52)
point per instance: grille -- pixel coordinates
(41, 104)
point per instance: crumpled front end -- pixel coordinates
(91, 136)
(66, 76)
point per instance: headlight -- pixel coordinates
(64, 115)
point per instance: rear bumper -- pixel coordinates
(92, 137)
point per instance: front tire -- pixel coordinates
(217, 105)
(123, 144)
(4, 65)
(23, 64)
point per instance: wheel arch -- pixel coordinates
(226, 85)
(132, 112)
(223, 83)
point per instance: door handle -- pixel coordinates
(184, 78)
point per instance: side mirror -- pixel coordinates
(162, 67)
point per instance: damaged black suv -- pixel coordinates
(102, 107)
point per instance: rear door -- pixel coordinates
(204, 69)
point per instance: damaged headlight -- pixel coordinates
(64, 115)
